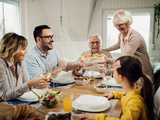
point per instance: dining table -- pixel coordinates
(114, 110)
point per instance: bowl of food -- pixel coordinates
(59, 116)
(50, 99)
(101, 88)
(82, 80)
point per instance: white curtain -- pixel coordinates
(70, 53)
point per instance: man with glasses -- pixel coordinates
(43, 57)
(94, 43)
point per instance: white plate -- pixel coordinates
(64, 79)
(112, 82)
(30, 96)
(93, 73)
(91, 103)
(56, 113)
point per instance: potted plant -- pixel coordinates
(157, 16)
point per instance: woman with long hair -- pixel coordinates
(14, 79)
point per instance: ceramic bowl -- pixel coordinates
(82, 82)
(101, 89)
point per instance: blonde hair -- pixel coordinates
(11, 45)
(121, 17)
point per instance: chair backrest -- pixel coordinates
(157, 103)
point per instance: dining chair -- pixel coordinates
(157, 103)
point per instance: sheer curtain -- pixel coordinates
(70, 53)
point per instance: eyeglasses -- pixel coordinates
(119, 25)
(92, 43)
(49, 36)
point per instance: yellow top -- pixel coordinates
(133, 105)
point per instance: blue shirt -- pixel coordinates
(38, 63)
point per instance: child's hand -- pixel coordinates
(109, 95)
(87, 116)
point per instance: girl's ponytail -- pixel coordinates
(147, 94)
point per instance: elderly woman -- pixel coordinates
(130, 41)
(14, 79)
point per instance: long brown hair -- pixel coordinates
(131, 68)
(11, 45)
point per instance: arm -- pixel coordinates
(77, 64)
(10, 88)
(61, 66)
(8, 85)
(132, 111)
(118, 95)
(114, 47)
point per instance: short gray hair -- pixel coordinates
(121, 17)
(95, 35)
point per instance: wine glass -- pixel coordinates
(100, 65)
(46, 75)
(53, 77)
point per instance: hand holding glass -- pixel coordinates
(100, 66)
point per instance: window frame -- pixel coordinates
(17, 12)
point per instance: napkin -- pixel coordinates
(15, 102)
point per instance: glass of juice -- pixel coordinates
(67, 101)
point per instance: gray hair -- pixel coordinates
(121, 17)
(95, 35)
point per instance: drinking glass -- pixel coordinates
(100, 66)
(53, 77)
(67, 101)
(46, 75)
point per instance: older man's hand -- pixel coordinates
(82, 63)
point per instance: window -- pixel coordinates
(9, 17)
(142, 22)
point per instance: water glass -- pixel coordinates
(67, 101)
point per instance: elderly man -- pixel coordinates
(43, 57)
(94, 44)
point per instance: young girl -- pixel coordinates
(138, 104)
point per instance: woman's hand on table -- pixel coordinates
(87, 116)
(41, 81)
(109, 95)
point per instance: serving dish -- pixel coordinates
(83, 81)
(92, 58)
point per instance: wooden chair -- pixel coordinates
(157, 103)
